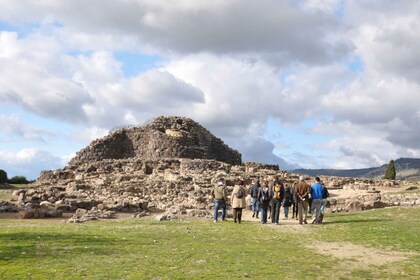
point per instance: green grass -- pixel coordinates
(146, 249)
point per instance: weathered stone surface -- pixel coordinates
(165, 137)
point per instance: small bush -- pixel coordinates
(18, 180)
(3, 176)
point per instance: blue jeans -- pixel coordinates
(316, 209)
(264, 214)
(219, 204)
(286, 211)
(255, 204)
(323, 206)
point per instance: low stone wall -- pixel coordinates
(372, 201)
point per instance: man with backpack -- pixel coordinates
(220, 197)
(254, 194)
(277, 191)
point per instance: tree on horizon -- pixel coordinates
(3, 176)
(390, 173)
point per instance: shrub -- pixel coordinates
(3, 176)
(390, 171)
(18, 180)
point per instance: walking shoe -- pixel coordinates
(253, 215)
(215, 221)
(305, 221)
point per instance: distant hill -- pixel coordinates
(407, 168)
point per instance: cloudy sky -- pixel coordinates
(309, 83)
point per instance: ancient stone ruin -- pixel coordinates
(165, 137)
(171, 165)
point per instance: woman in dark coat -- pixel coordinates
(287, 200)
(264, 195)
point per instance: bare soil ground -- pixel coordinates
(356, 254)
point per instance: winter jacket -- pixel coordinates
(302, 191)
(316, 191)
(288, 197)
(260, 196)
(254, 190)
(238, 202)
(219, 192)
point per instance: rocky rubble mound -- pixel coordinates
(165, 137)
(170, 165)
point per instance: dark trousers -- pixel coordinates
(275, 210)
(294, 210)
(237, 214)
(264, 210)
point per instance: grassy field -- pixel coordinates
(379, 244)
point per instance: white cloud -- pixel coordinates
(15, 127)
(28, 162)
(276, 30)
(231, 65)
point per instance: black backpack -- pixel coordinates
(264, 195)
(240, 193)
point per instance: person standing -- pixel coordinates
(294, 202)
(316, 194)
(302, 196)
(264, 195)
(325, 195)
(254, 194)
(238, 201)
(287, 200)
(277, 190)
(220, 197)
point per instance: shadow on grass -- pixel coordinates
(19, 246)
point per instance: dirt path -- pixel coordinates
(358, 255)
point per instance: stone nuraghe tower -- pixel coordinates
(164, 137)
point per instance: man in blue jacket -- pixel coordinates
(316, 194)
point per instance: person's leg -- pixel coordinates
(286, 212)
(264, 214)
(277, 207)
(223, 210)
(293, 209)
(234, 214)
(216, 209)
(318, 209)
(239, 215)
(313, 214)
(258, 208)
(254, 207)
(305, 211)
(300, 211)
(322, 210)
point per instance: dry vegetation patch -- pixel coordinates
(362, 256)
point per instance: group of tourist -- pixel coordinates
(268, 197)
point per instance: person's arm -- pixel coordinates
(281, 192)
(307, 192)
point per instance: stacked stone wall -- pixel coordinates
(165, 137)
